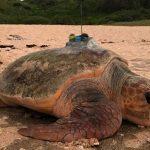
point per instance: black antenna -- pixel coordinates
(81, 13)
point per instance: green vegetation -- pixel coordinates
(123, 12)
(133, 23)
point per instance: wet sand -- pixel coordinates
(132, 43)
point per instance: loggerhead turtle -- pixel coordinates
(88, 88)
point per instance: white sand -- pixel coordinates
(133, 43)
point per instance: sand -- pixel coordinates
(132, 43)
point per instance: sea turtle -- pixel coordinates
(90, 90)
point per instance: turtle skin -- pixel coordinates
(82, 87)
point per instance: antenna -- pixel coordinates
(81, 13)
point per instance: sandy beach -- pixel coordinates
(132, 43)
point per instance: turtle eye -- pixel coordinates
(147, 96)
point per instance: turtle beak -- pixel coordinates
(147, 97)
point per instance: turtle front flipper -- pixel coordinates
(2, 104)
(89, 120)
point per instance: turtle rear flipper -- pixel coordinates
(89, 120)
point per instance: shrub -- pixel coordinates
(35, 20)
(65, 19)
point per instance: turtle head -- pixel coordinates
(136, 99)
